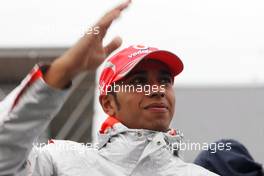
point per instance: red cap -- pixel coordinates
(119, 65)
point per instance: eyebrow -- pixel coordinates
(137, 72)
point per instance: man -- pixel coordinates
(134, 140)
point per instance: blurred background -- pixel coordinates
(220, 93)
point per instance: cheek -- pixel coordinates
(171, 99)
(130, 102)
(130, 111)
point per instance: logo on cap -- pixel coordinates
(141, 47)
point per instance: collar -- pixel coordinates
(112, 127)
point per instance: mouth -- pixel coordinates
(157, 107)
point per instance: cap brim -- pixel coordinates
(173, 62)
(170, 59)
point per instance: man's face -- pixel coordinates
(151, 109)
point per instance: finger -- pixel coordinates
(108, 18)
(112, 46)
(105, 22)
(123, 5)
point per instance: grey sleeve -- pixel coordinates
(39, 163)
(24, 115)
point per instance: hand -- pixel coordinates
(87, 54)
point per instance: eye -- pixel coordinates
(138, 80)
(166, 80)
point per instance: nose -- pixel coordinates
(158, 94)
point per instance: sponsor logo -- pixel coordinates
(138, 53)
(141, 47)
(141, 50)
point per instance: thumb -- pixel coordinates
(112, 46)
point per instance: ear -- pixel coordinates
(108, 104)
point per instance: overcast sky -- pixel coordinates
(220, 42)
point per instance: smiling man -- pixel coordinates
(146, 98)
(134, 140)
(136, 135)
(144, 107)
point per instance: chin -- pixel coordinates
(160, 127)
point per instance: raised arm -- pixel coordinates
(87, 54)
(27, 110)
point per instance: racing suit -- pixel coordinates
(27, 111)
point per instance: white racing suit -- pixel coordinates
(27, 111)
